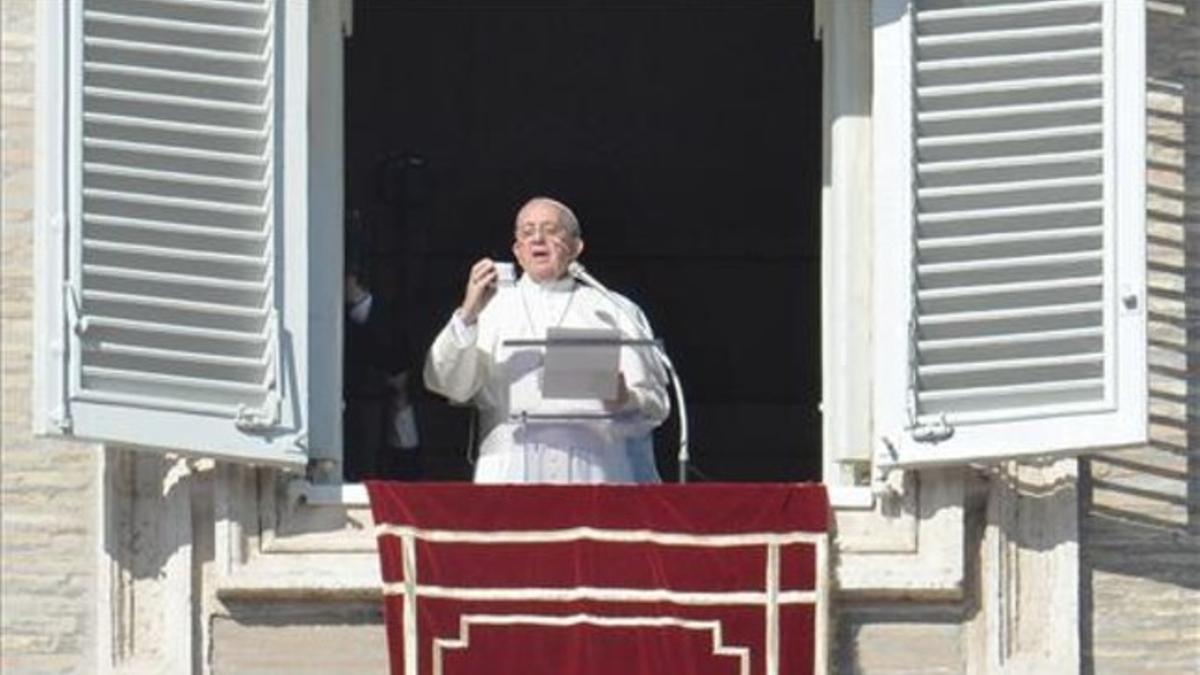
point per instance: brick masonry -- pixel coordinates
(1141, 520)
(48, 512)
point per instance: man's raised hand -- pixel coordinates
(481, 286)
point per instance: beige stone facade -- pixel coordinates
(50, 490)
(1141, 509)
(91, 573)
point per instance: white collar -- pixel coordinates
(565, 284)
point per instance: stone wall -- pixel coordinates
(1141, 521)
(48, 490)
(315, 640)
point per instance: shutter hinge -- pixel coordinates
(322, 470)
(60, 417)
(932, 432)
(924, 431)
(887, 478)
(75, 319)
(259, 419)
(60, 420)
(268, 415)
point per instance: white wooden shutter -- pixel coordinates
(1009, 207)
(182, 328)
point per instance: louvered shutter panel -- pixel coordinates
(1010, 220)
(175, 291)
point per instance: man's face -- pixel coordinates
(543, 246)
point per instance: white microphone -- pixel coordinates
(576, 270)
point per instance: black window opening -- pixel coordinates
(686, 136)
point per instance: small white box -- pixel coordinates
(506, 274)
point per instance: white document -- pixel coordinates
(581, 363)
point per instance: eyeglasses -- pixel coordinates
(529, 231)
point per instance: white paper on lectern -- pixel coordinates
(581, 371)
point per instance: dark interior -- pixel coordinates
(687, 138)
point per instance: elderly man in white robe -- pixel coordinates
(469, 362)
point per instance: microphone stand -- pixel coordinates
(576, 270)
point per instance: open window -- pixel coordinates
(173, 227)
(180, 309)
(685, 135)
(188, 285)
(1009, 208)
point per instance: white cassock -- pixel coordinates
(470, 363)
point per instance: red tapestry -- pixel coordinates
(603, 580)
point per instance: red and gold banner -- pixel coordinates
(597, 580)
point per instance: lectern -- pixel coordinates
(563, 348)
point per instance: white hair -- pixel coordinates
(566, 215)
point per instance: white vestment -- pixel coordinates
(470, 363)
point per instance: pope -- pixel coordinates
(469, 362)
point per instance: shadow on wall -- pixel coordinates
(1141, 518)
